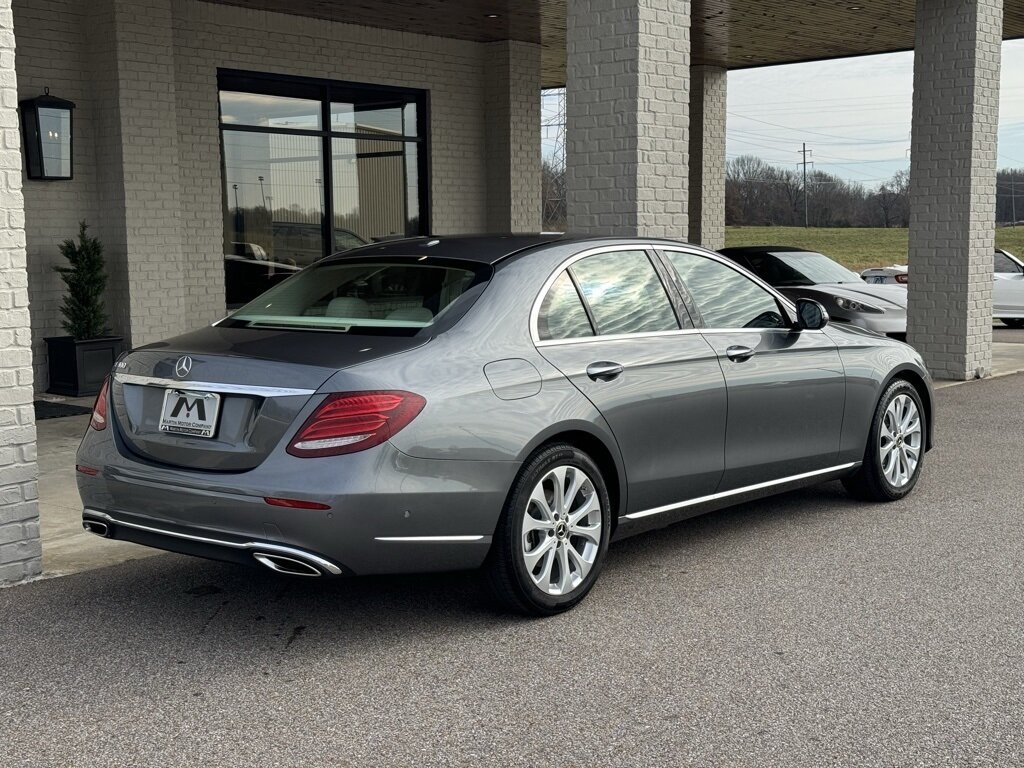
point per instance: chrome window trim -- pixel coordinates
(656, 334)
(281, 549)
(211, 386)
(737, 491)
(644, 245)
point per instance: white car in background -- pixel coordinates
(894, 275)
(1007, 287)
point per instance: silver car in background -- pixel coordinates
(515, 403)
(844, 294)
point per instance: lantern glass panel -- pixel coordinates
(55, 140)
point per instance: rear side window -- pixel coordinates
(396, 297)
(562, 315)
(624, 293)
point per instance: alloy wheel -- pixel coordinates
(561, 531)
(900, 439)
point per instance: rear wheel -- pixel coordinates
(1013, 322)
(553, 533)
(895, 450)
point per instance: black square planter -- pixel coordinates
(77, 368)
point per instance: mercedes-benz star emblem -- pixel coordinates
(183, 366)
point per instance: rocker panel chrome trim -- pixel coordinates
(739, 491)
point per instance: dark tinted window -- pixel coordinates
(624, 293)
(562, 315)
(1004, 263)
(725, 297)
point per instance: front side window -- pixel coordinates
(312, 167)
(1004, 264)
(725, 297)
(373, 296)
(624, 293)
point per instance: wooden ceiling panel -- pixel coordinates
(730, 33)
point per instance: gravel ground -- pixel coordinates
(805, 630)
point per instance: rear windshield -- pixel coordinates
(396, 296)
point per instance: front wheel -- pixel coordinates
(895, 451)
(553, 534)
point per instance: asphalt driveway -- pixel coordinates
(804, 630)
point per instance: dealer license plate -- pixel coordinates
(190, 413)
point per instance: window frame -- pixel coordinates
(325, 91)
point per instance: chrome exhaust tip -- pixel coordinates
(288, 565)
(95, 526)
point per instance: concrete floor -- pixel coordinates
(66, 547)
(69, 549)
(803, 630)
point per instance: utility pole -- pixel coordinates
(803, 162)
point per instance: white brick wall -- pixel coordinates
(627, 105)
(20, 551)
(55, 208)
(707, 156)
(512, 106)
(147, 142)
(952, 184)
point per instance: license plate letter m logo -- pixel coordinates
(188, 405)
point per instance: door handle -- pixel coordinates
(604, 371)
(739, 353)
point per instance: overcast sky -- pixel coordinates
(854, 114)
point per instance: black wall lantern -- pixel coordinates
(46, 130)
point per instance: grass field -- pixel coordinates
(857, 248)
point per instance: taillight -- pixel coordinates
(354, 421)
(99, 408)
(902, 279)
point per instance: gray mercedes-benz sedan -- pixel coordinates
(511, 403)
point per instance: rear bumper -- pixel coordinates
(153, 533)
(388, 512)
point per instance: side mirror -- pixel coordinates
(810, 315)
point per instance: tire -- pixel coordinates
(898, 430)
(1013, 322)
(526, 567)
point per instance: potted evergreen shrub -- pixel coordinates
(79, 362)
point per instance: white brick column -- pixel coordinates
(20, 552)
(952, 184)
(512, 109)
(138, 167)
(627, 122)
(707, 156)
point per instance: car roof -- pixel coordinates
(484, 249)
(742, 249)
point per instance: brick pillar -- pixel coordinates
(512, 108)
(20, 553)
(952, 184)
(627, 115)
(132, 62)
(707, 156)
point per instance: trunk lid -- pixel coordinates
(256, 382)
